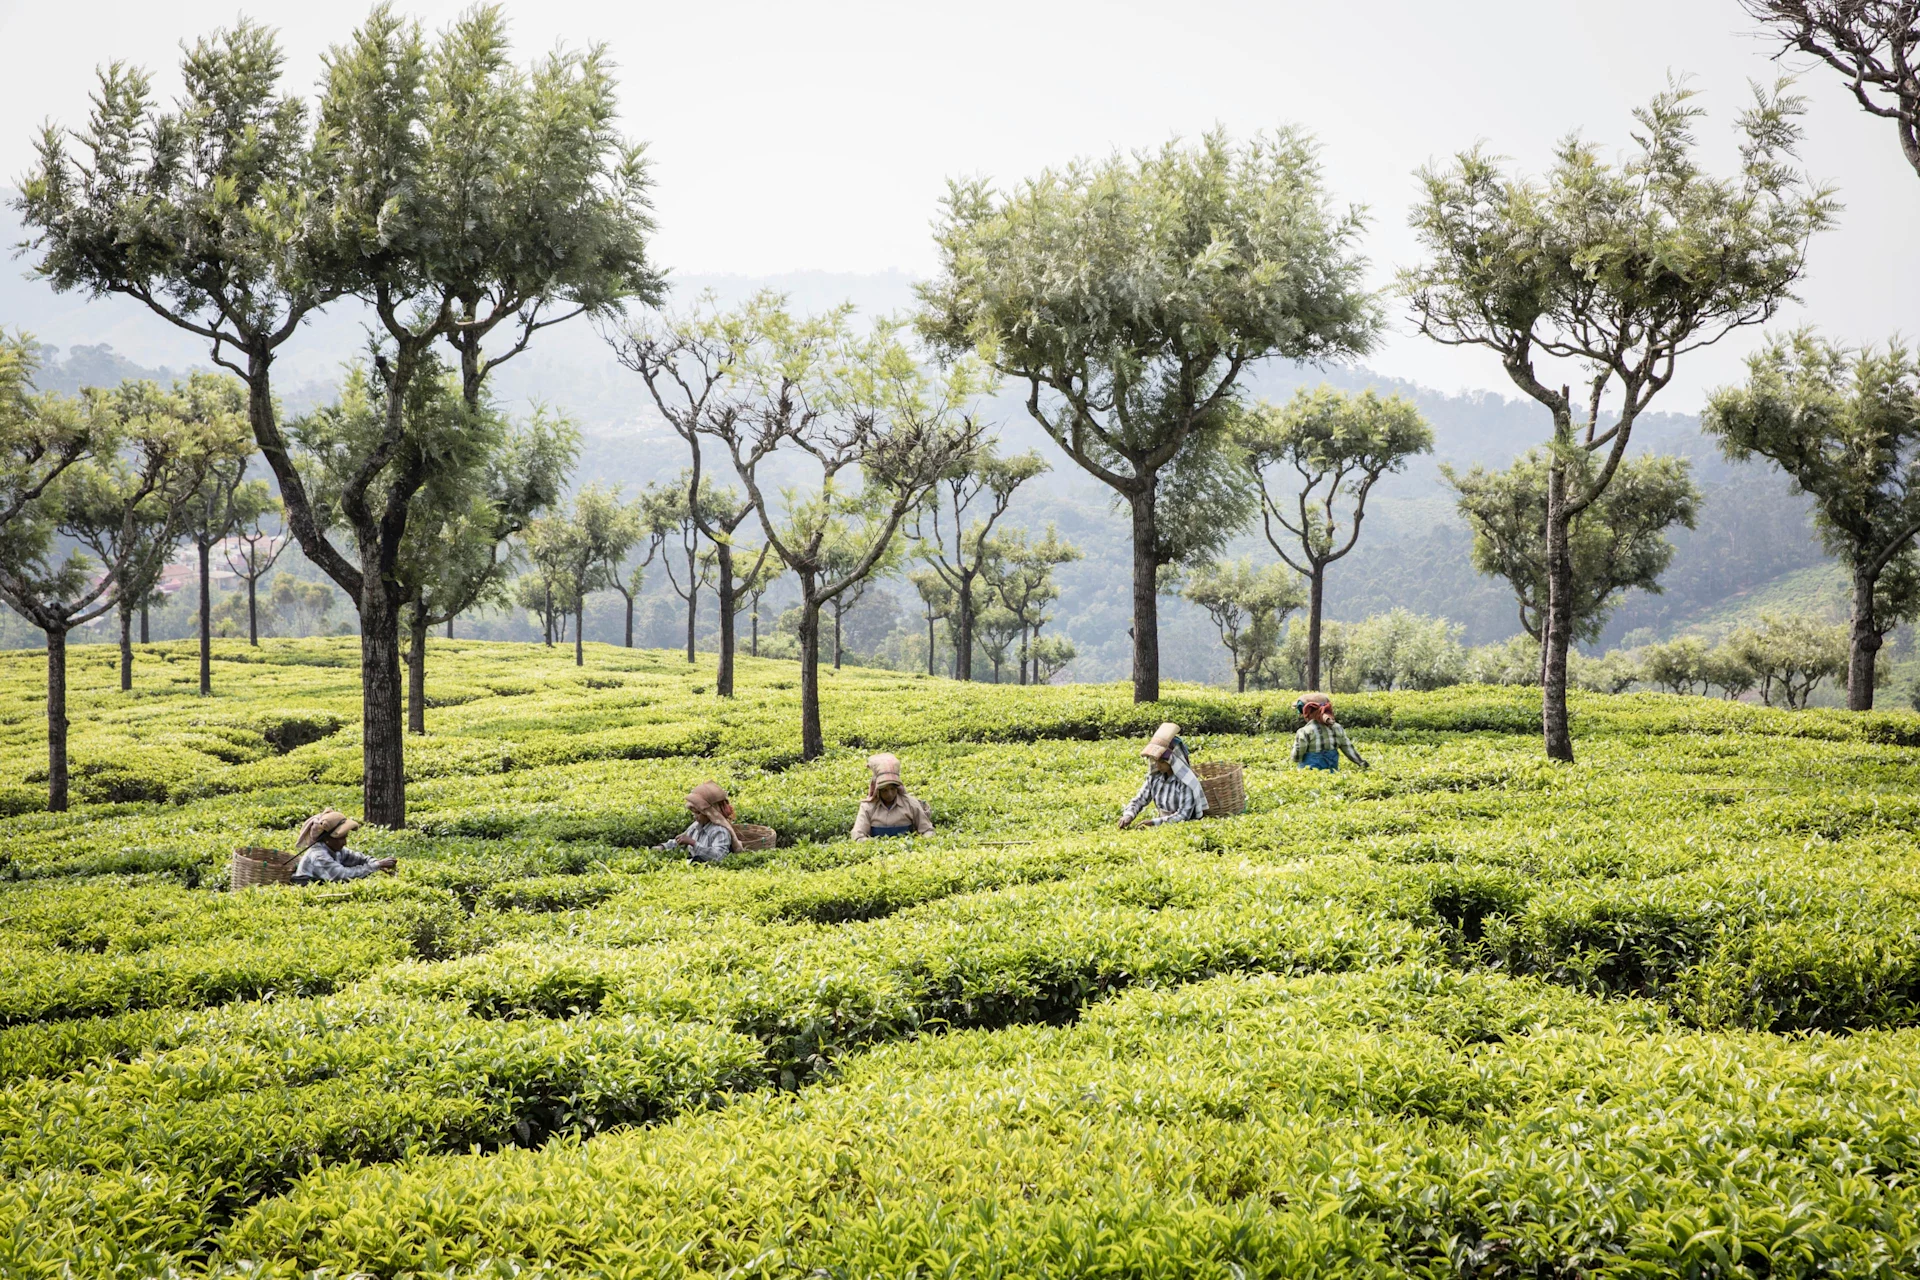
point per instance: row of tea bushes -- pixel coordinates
(1396, 1122)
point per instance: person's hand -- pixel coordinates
(683, 838)
(1124, 822)
(386, 864)
(1364, 766)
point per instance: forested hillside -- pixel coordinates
(1754, 541)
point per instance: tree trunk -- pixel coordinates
(930, 646)
(627, 596)
(963, 630)
(206, 621)
(812, 744)
(56, 722)
(1865, 644)
(1026, 651)
(126, 651)
(417, 673)
(1243, 681)
(144, 630)
(693, 612)
(723, 681)
(580, 630)
(1558, 626)
(546, 613)
(836, 635)
(449, 628)
(1146, 597)
(756, 628)
(383, 747)
(1316, 607)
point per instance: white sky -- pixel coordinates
(819, 135)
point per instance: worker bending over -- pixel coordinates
(1171, 786)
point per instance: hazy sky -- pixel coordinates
(819, 135)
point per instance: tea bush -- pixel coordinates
(1465, 1014)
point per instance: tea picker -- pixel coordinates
(711, 836)
(1171, 785)
(323, 854)
(1321, 741)
(888, 809)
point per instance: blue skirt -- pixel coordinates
(883, 832)
(1328, 760)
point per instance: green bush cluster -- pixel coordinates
(1464, 1014)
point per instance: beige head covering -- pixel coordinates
(1162, 741)
(328, 822)
(706, 798)
(886, 772)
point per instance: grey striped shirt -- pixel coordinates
(1166, 793)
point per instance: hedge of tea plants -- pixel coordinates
(1463, 1014)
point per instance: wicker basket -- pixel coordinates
(255, 867)
(754, 836)
(1225, 785)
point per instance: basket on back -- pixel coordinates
(1225, 786)
(255, 867)
(754, 836)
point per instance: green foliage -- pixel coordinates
(1618, 543)
(1591, 282)
(1249, 606)
(1129, 295)
(1477, 1007)
(1845, 426)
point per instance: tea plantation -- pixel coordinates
(1465, 1014)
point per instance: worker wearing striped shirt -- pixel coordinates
(1321, 741)
(1172, 787)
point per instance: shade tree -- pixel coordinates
(255, 546)
(875, 427)
(1316, 460)
(1845, 427)
(1402, 650)
(1249, 606)
(1129, 297)
(688, 363)
(1023, 581)
(937, 603)
(1618, 543)
(225, 498)
(953, 531)
(1791, 656)
(1873, 44)
(678, 513)
(762, 569)
(40, 435)
(66, 553)
(446, 189)
(1609, 274)
(611, 529)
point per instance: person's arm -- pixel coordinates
(682, 840)
(863, 824)
(1346, 747)
(1140, 801)
(922, 818)
(1300, 744)
(323, 864)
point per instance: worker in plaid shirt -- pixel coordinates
(1321, 741)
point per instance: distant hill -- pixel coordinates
(1753, 533)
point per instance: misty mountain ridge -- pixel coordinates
(1414, 552)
